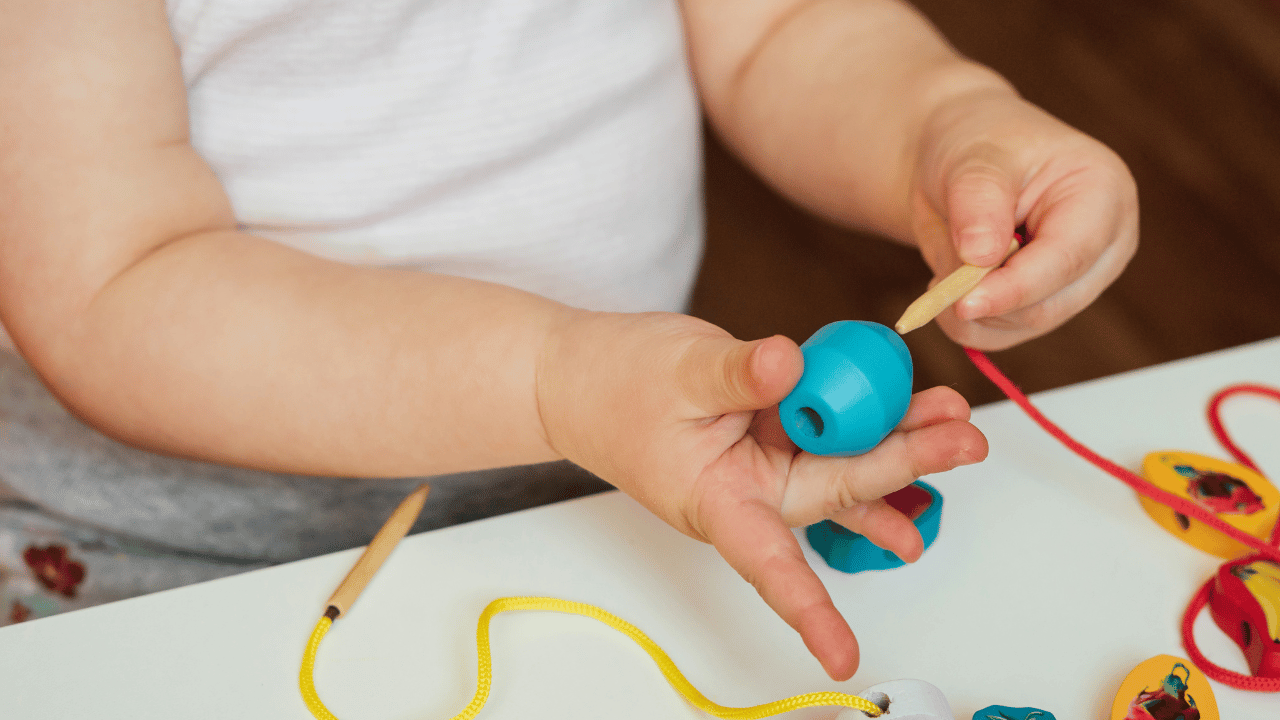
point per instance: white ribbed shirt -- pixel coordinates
(550, 145)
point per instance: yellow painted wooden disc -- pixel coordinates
(1165, 687)
(1237, 495)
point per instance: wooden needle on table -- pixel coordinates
(396, 527)
(945, 293)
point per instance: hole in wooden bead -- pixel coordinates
(878, 699)
(810, 422)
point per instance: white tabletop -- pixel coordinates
(1046, 585)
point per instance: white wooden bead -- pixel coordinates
(907, 699)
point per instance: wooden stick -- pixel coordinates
(946, 293)
(396, 527)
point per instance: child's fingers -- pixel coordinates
(998, 332)
(722, 375)
(822, 487)
(1069, 250)
(1081, 243)
(885, 526)
(981, 198)
(755, 541)
(932, 406)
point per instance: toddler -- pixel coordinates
(258, 256)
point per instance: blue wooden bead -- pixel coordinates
(1004, 712)
(854, 391)
(850, 552)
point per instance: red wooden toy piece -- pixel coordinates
(1245, 603)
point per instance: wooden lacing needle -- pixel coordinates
(943, 295)
(396, 527)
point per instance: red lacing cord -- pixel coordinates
(1220, 431)
(1128, 477)
(1186, 507)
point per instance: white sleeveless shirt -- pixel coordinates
(551, 145)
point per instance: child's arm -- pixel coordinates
(859, 110)
(127, 286)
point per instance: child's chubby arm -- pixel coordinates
(126, 284)
(860, 111)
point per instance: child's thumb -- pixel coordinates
(981, 202)
(724, 375)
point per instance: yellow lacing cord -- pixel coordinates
(307, 675)
(668, 667)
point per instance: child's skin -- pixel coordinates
(125, 283)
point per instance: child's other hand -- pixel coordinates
(988, 162)
(683, 418)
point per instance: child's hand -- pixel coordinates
(989, 162)
(683, 418)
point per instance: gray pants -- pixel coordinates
(141, 522)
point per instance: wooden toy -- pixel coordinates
(1003, 712)
(847, 551)
(854, 391)
(904, 700)
(1165, 688)
(1237, 495)
(1244, 601)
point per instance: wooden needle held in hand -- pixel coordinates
(945, 293)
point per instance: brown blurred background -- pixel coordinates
(1186, 91)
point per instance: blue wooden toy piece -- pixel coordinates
(1001, 712)
(850, 552)
(854, 391)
